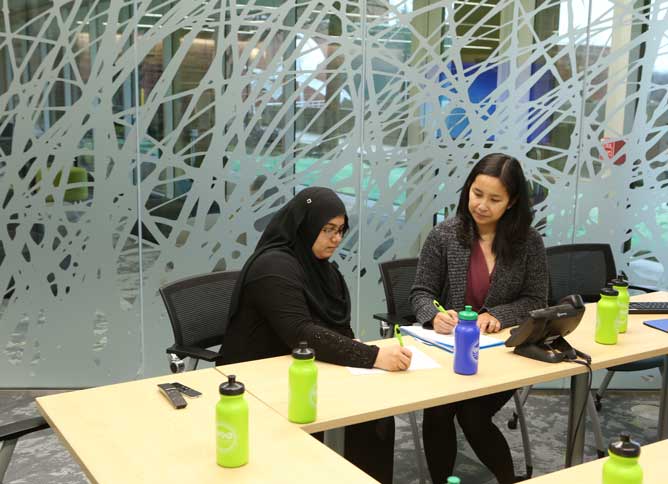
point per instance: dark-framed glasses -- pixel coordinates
(331, 231)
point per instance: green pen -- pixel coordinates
(439, 307)
(397, 333)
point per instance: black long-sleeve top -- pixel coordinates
(274, 316)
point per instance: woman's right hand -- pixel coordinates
(393, 358)
(444, 323)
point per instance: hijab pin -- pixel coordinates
(308, 200)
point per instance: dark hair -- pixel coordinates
(514, 224)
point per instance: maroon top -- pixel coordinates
(478, 279)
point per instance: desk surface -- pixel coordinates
(652, 458)
(130, 433)
(345, 399)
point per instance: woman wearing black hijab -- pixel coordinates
(289, 292)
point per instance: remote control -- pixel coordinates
(172, 394)
(190, 392)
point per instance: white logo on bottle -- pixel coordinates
(313, 396)
(475, 351)
(227, 438)
(622, 317)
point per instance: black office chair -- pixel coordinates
(581, 269)
(11, 433)
(398, 277)
(198, 308)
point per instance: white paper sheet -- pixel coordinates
(419, 361)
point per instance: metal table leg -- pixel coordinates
(663, 403)
(335, 439)
(576, 404)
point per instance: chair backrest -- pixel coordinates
(579, 269)
(198, 307)
(398, 277)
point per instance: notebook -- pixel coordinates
(661, 324)
(444, 341)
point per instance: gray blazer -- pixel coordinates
(515, 289)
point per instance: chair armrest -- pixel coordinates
(18, 429)
(642, 288)
(193, 352)
(393, 319)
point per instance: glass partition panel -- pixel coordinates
(125, 165)
(243, 105)
(70, 307)
(624, 178)
(449, 82)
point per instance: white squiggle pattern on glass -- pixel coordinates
(223, 109)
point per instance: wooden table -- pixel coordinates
(652, 459)
(345, 399)
(130, 433)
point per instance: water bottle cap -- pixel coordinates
(453, 480)
(619, 282)
(625, 447)
(231, 387)
(468, 314)
(303, 352)
(608, 291)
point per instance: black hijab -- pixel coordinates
(294, 229)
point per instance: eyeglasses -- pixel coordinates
(331, 231)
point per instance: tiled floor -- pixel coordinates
(41, 459)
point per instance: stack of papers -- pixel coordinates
(444, 341)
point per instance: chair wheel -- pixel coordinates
(176, 364)
(598, 404)
(512, 423)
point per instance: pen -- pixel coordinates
(397, 333)
(439, 307)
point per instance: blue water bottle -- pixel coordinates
(467, 342)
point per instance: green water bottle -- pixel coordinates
(607, 313)
(622, 287)
(622, 466)
(232, 424)
(453, 480)
(303, 385)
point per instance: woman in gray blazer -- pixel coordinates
(487, 256)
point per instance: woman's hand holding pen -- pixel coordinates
(393, 358)
(445, 321)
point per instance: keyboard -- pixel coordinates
(648, 307)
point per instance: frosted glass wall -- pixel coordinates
(143, 141)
